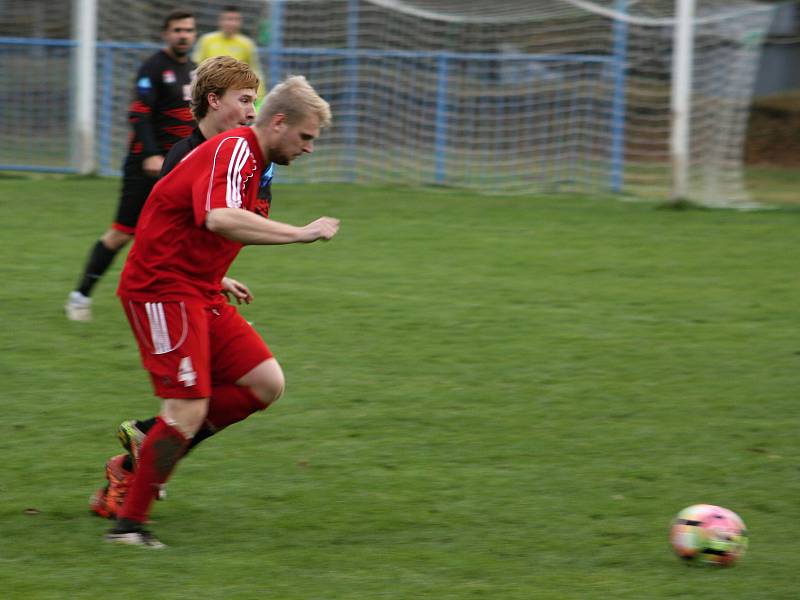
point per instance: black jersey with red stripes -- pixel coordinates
(181, 149)
(159, 112)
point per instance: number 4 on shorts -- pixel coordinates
(186, 373)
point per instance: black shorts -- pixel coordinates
(136, 188)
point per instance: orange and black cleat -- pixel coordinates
(106, 501)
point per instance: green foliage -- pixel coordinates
(488, 397)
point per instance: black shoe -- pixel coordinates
(133, 534)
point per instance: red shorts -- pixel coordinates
(187, 347)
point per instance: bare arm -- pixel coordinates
(249, 228)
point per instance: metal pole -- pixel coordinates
(276, 43)
(682, 56)
(351, 95)
(440, 143)
(618, 105)
(106, 111)
(85, 36)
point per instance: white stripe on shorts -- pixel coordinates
(158, 327)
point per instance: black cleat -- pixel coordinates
(133, 534)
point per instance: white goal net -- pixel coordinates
(507, 96)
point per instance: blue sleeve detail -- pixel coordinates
(143, 84)
(266, 176)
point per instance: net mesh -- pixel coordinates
(510, 96)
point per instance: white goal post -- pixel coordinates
(83, 100)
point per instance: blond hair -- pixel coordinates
(295, 98)
(217, 75)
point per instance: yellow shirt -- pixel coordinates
(238, 46)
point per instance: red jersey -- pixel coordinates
(174, 256)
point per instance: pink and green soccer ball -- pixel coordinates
(708, 534)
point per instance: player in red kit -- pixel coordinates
(223, 94)
(205, 361)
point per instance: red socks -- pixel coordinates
(164, 446)
(230, 404)
(161, 450)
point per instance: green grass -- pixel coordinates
(776, 186)
(488, 397)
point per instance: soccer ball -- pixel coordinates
(708, 534)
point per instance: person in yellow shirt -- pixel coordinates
(228, 41)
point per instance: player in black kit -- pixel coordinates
(159, 115)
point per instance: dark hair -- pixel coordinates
(230, 8)
(176, 15)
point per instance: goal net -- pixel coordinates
(506, 97)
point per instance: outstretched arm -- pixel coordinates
(246, 227)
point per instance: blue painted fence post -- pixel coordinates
(618, 105)
(276, 43)
(440, 145)
(351, 92)
(106, 120)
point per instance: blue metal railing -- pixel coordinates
(446, 67)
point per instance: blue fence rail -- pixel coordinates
(444, 107)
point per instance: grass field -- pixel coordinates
(488, 397)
